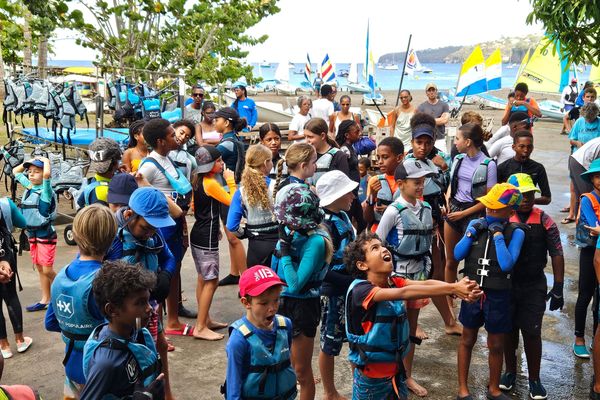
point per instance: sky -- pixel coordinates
(339, 28)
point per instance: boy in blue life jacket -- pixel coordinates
(105, 156)
(139, 240)
(38, 206)
(258, 350)
(376, 324)
(119, 358)
(490, 247)
(72, 310)
(335, 189)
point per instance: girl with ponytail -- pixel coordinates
(300, 160)
(328, 155)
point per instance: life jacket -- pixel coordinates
(135, 251)
(385, 197)
(531, 263)
(582, 235)
(478, 182)
(148, 365)
(30, 208)
(271, 375)
(173, 115)
(311, 288)
(240, 152)
(323, 164)
(6, 213)
(70, 299)
(180, 184)
(416, 233)
(183, 161)
(342, 233)
(18, 392)
(481, 265)
(521, 108)
(388, 339)
(87, 192)
(258, 219)
(151, 108)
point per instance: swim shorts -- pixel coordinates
(43, 251)
(207, 263)
(304, 314)
(491, 311)
(333, 324)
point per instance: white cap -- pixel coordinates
(332, 185)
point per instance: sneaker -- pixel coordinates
(581, 351)
(507, 381)
(36, 307)
(184, 312)
(501, 396)
(230, 280)
(537, 390)
(594, 395)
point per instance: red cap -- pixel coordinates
(257, 279)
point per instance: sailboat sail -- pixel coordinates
(282, 73)
(370, 65)
(412, 63)
(327, 69)
(353, 73)
(545, 71)
(595, 74)
(307, 69)
(493, 71)
(472, 74)
(524, 62)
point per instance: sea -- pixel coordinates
(445, 76)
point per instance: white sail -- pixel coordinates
(282, 73)
(353, 73)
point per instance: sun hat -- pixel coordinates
(332, 185)
(255, 280)
(35, 162)
(150, 204)
(120, 188)
(422, 130)
(297, 207)
(411, 168)
(523, 182)
(502, 195)
(206, 156)
(593, 169)
(102, 152)
(228, 113)
(430, 85)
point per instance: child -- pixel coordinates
(259, 341)
(120, 359)
(254, 202)
(522, 163)
(490, 248)
(73, 311)
(375, 317)
(105, 155)
(364, 164)
(38, 206)
(136, 148)
(120, 189)
(209, 196)
(300, 259)
(529, 287)
(336, 192)
(184, 131)
(270, 136)
(382, 188)
(300, 159)
(329, 156)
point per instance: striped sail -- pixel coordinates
(307, 67)
(493, 71)
(327, 71)
(472, 74)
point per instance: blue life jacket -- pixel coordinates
(6, 213)
(135, 251)
(416, 233)
(387, 340)
(172, 116)
(271, 375)
(342, 233)
(521, 108)
(70, 300)
(311, 288)
(384, 196)
(143, 351)
(30, 207)
(479, 181)
(90, 187)
(151, 108)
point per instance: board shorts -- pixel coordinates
(461, 225)
(207, 263)
(492, 310)
(366, 388)
(304, 313)
(333, 324)
(43, 251)
(574, 113)
(528, 304)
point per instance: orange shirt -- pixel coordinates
(393, 187)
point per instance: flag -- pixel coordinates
(327, 72)
(307, 71)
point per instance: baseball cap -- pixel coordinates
(227, 113)
(430, 85)
(120, 188)
(523, 182)
(297, 207)
(206, 156)
(102, 152)
(332, 185)
(255, 280)
(422, 130)
(239, 84)
(150, 204)
(35, 162)
(574, 80)
(502, 195)
(594, 169)
(411, 168)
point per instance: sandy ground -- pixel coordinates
(198, 368)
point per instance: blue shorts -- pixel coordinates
(493, 310)
(366, 388)
(333, 324)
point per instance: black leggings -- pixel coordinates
(587, 290)
(8, 294)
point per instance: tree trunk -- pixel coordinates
(27, 38)
(42, 61)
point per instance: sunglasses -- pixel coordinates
(404, 97)
(197, 94)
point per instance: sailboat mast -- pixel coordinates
(403, 69)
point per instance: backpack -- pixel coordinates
(582, 235)
(571, 97)
(241, 158)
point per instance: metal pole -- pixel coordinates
(181, 97)
(99, 116)
(403, 69)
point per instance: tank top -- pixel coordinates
(210, 135)
(338, 121)
(402, 129)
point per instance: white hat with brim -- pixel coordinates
(332, 185)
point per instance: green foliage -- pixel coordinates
(574, 23)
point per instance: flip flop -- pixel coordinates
(567, 220)
(565, 209)
(23, 346)
(187, 330)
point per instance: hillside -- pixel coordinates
(513, 49)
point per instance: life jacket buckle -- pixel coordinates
(483, 272)
(486, 262)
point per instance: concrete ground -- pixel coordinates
(198, 368)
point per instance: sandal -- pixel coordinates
(567, 220)
(186, 330)
(565, 209)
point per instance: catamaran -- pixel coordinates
(353, 85)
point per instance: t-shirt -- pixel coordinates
(297, 124)
(322, 108)
(503, 131)
(435, 110)
(247, 109)
(587, 153)
(569, 95)
(502, 149)
(530, 167)
(465, 176)
(192, 114)
(584, 131)
(154, 176)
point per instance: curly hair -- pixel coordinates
(420, 118)
(355, 252)
(253, 181)
(116, 280)
(471, 117)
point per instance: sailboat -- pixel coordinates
(390, 67)
(282, 75)
(371, 98)
(353, 85)
(414, 65)
(493, 71)
(595, 74)
(472, 79)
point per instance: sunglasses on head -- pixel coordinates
(197, 94)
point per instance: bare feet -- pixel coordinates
(421, 334)
(454, 330)
(207, 334)
(334, 396)
(414, 387)
(215, 325)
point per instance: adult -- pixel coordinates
(296, 132)
(587, 127)
(521, 103)
(439, 110)
(323, 107)
(193, 111)
(205, 130)
(399, 119)
(245, 106)
(317, 83)
(502, 149)
(336, 105)
(343, 115)
(567, 100)
(573, 114)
